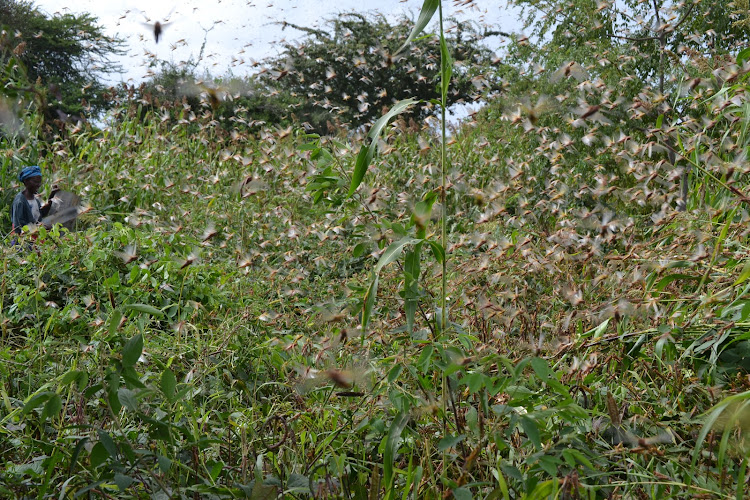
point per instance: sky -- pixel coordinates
(240, 32)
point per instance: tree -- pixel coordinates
(65, 57)
(653, 39)
(349, 70)
(632, 63)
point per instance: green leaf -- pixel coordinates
(53, 407)
(390, 254)
(164, 464)
(559, 388)
(425, 15)
(574, 457)
(597, 331)
(114, 401)
(36, 401)
(69, 377)
(474, 381)
(394, 372)
(391, 446)
(446, 68)
(393, 251)
(298, 483)
(518, 394)
(743, 56)
(263, 491)
(423, 213)
(438, 251)
(88, 488)
(132, 350)
(359, 250)
(549, 464)
(541, 368)
(113, 280)
(131, 378)
(440, 315)
(216, 470)
(745, 274)
(168, 383)
(462, 494)
(501, 491)
(127, 398)
(122, 481)
(106, 440)
(532, 431)
(364, 158)
(145, 308)
(424, 358)
(98, 455)
(449, 442)
(397, 228)
(157, 429)
(741, 480)
(114, 321)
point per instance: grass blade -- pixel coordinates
(425, 15)
(364, 158)
(446, 69)
(391, 447)
(144, 308)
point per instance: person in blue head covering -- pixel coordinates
(27, 208)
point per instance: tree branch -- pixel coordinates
(494, 33)
(311, 31)
(632, 39)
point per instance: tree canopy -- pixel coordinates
(348, 70)
(67, 55)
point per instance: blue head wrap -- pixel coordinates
(28, 172)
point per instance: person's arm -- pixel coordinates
(44, 209)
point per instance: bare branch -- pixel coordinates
(312, 31)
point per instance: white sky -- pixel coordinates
(240, 25)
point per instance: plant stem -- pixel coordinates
(443, 183)
(443, 222)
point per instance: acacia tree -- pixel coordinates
(348, 70)
(655, 35)
(65, 57)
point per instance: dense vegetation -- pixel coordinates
(551, 302)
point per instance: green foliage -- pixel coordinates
(212, 328)
(65, 56)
